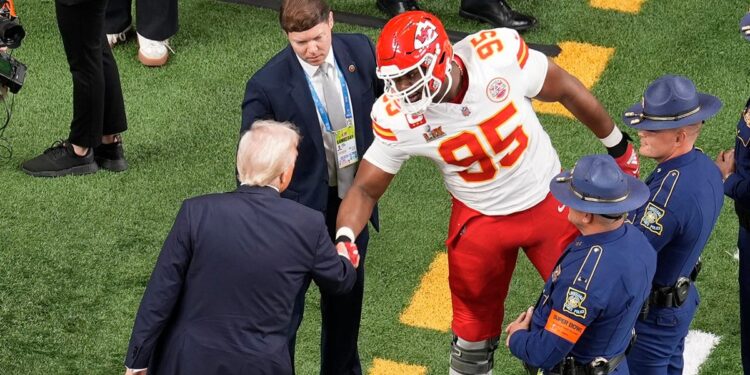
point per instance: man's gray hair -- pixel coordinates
(266, 151)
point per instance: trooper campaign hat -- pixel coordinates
(597, 185)
(745, 26)
(671, 102)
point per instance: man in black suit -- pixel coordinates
(220, 298)
(325, 84)
(98, 109)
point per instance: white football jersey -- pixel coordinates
(494, 155)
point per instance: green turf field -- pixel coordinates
(77, 252)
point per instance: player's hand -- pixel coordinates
(629, 162)
(131, 372)
(348, 250)
(725, 162)
(523, 322)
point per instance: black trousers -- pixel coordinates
(98, 107)
(155, 19)
(340, 314)
(743, 244)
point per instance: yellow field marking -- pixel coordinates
(431, 305)
(586, 62)
(627, 6)
(386, 367)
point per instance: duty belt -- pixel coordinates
(569, 366)
(675, 295)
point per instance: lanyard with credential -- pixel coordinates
(322, 109)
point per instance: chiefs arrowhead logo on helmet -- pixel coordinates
(426, 34)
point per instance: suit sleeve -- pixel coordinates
(737, 188)
(378, 83)
(332, 273)
(162, 292)
(255, 106)
(548, 342)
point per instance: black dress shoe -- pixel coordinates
(497, 13)
(394, 7)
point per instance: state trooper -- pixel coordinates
(583, 321)
(684, 204)
(735, 169)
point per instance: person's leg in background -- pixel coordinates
(394, 7)
(156, 22)
(341, 314)
(109, 154)
(82, 31)
(118, 22)
(496, 13)
(743, 244)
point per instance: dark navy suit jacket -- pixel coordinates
(221, 295)
(279, 91)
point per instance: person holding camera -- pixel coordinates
(99, 118)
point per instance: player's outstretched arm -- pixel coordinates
(561, 86)
(369, 185)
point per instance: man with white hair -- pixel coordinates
(221, 295)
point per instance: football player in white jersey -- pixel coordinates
(470, 112)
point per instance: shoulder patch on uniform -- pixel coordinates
(651, 216)
(556, 273)
(564, 327)
(574, 303)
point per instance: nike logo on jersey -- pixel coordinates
(561, 208)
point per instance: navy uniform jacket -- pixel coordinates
(737, 185)
(685, 202)
(590, 303)
(279, 91)
(221, 295)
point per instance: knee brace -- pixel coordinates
(473, 357)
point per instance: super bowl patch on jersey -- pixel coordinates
(498, 89)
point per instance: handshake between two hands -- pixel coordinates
(348, 249)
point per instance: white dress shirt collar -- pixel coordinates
(310, 70)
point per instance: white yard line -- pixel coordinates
(698, 346)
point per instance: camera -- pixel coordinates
(12, 71)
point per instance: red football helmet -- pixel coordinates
(414, 43)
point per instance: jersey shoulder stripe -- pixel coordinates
(385, 133)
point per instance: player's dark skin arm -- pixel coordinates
(560, 86)
(368, 186)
